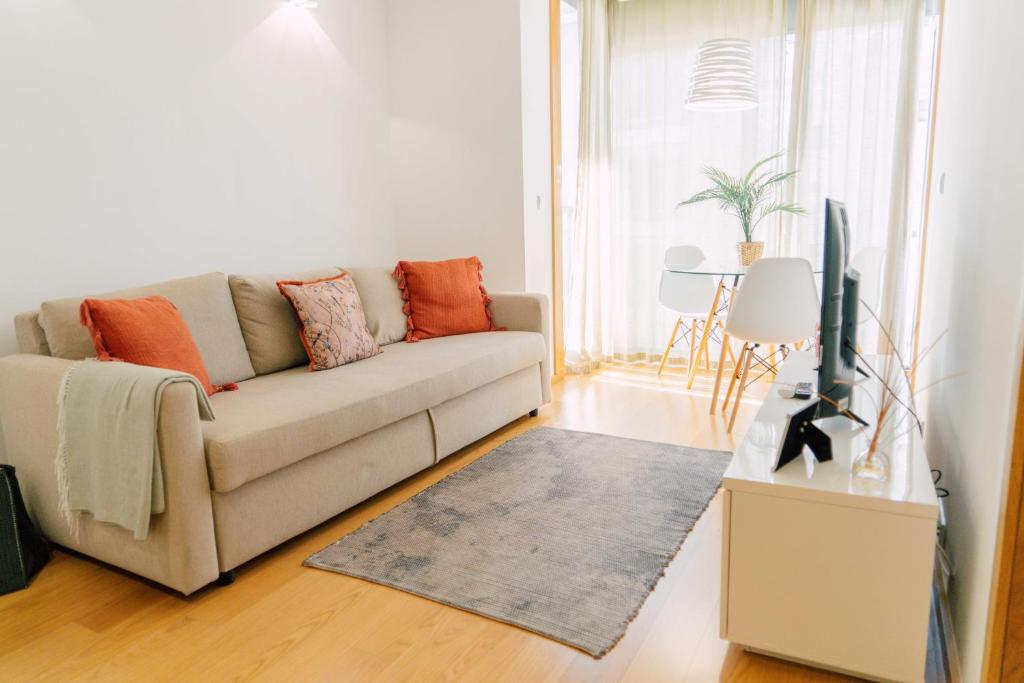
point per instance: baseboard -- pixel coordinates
(943, 656)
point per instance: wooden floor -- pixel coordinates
(281, 621)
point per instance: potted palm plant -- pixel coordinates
(751, 199)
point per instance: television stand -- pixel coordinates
(818, 566)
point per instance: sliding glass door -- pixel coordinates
(844, 92)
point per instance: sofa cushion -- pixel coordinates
(205, 304)
(267, 320)
(382, 303)
(276, 420)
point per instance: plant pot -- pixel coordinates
(749, 252)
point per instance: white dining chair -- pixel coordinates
(777, 304)
(686, 294)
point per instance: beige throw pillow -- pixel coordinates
(382, 302)
(267, 320)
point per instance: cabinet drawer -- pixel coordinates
(841, 587)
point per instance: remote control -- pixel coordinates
(803, 390)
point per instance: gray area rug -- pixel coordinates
(559, 532)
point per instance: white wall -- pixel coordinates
(146, 140)
(975, 289)
(459, 140)
(536, 95)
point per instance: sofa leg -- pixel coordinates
(535, 412)
(226, 578)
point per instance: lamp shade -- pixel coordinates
(723, 78)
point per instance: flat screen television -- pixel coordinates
(837, 341)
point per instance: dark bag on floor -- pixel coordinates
(23, 550)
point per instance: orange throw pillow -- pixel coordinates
(147, 331)
(443, 298)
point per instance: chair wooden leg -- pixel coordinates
(693, 343)
(737, 369)
(718, 374)
(668, 347)
(732, 356)
(708, 322)
(771, 360)
(739, 390)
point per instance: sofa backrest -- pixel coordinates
(267, 319)
(382, 302)
(242, 325)
(268, 322)
(205, 304)
(30, 335)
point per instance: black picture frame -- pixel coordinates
(801, 431)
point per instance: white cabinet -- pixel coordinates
(818, 567)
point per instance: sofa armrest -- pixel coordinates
(526, 312)
(180, 550)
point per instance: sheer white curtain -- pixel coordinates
(640, 153)
(588, 238)
(852, 133)
(836, 92)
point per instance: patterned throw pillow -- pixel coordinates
(332, 325)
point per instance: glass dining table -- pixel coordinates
(728, 276)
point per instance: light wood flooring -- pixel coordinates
(280, 621)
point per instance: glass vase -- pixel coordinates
(872, 465)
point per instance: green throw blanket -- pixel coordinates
(108, 455)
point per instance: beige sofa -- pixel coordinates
(289, 449)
